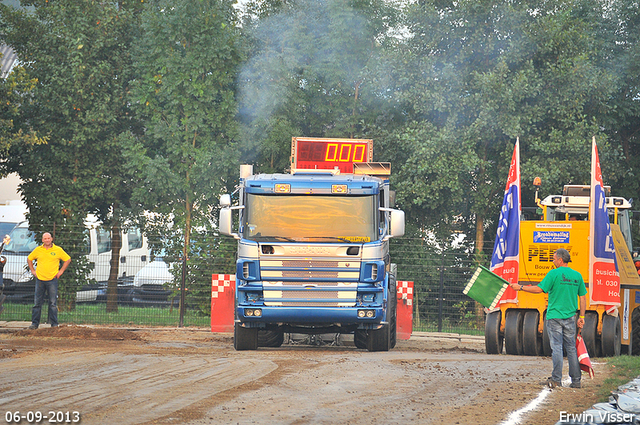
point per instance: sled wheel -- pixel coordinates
(531, 342)
(493, 341)
(513, 332)
(610, 338)
(635, 332)
(590, 334)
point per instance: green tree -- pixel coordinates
(621, 53)
(472, 77)
(187, 60)
(78, 54)
(15, 96)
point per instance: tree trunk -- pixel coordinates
(112, 285)
(479, 239)
(185, 257)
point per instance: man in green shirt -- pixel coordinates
(564, 286)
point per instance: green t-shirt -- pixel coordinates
(564, 286)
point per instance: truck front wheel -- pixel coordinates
(245, 338)
(379, 339)
(360, 338)
(393, 310)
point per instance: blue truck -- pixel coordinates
(313, 247)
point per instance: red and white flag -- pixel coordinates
(604, 278)
(583, 356)
(505, 260)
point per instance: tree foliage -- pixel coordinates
(187, 59)
(473, 77)
(15, 97)
(77, 54)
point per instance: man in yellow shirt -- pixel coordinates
(47, 271)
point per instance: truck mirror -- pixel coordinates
(225, 200)
(397, 223)
(226, 221)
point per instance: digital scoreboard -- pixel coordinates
(317, 153)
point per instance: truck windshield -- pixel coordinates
(316, 218)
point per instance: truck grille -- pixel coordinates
(313, 283)
(307, 294)
(309, 269)
(298, 274)
(308, 263)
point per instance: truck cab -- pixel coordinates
(313, 257)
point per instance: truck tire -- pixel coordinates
(635, 331)
(270, 338)
(590, 334)
(611, 343)
(393, 311)
(360, 338)
(379, 339)
(513, 332)
(531, 342)
(245, 338)
(493, 341)
(383, 339)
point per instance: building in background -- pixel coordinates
(9, 194)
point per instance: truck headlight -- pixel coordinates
(253, 312)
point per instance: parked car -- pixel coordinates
(152, 283)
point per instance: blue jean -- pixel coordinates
(562, 332)
(51, 287)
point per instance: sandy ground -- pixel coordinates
(191, 376)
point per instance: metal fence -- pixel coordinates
(439, 277)
(150, 275)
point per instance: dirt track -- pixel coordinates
(169, 376)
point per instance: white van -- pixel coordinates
(18, 280)
(11, 215)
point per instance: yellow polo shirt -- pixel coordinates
(48, 261)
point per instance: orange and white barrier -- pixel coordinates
(404, 320)
(223, 288)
